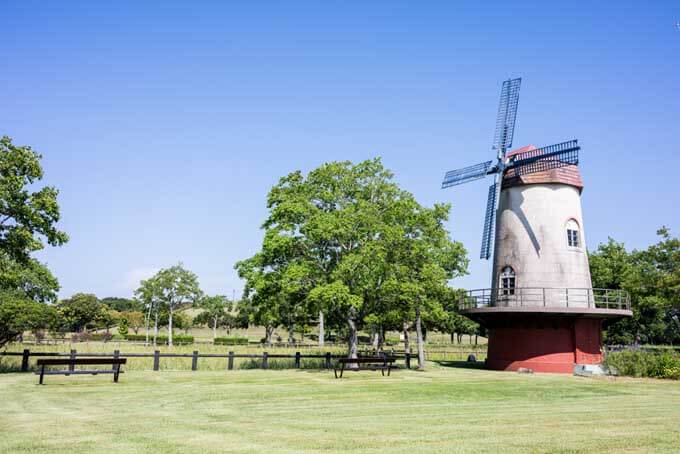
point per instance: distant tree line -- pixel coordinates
(652, 277)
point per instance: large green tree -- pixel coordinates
(28, 218)
(216, 313)
(83, 311)
(346, 241)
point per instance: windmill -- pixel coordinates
(540, 311)
(532, 161)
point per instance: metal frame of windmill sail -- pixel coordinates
(546, 158)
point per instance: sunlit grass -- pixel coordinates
(440, 410)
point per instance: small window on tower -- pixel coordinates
(573, 236)
(508, 281)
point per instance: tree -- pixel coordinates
(216, 313)
(176, 286)
(81, 312)
(335, 239)
(148, 295)
(28, 218)
(652, 278)
(120, 304)
(134, 319)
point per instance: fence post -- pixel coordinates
(156, 360)
(265, 360)
(297, 360)
(72, 366)
(328, 360)
(194, 361)
(230, 361)
(408, 360)
(116, 354)
(24, 360)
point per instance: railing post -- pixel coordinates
(72, 365)
(156, 360)
(230, 361)
(265, 360)
(24, 360)
(297, 360)
(194, 361)
(328, 360)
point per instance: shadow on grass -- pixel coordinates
(461, 364)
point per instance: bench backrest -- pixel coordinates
(84, 361)
(377, 359)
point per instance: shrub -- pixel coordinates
(665, 364)
(234, 340)
(176, 339)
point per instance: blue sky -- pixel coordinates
(165, 124)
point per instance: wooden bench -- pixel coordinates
(381, 363)
(115, 364)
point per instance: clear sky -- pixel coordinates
(164, 125)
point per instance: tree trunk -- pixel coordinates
(291, 334)
(353, 340)
(321, 330)
(381, 337)
(407, 343)
(155, 328)
(214, 329)
(452, 334)
(374, 338)
(419, 336)
(170, 327)
(148, 322)
(269, 331)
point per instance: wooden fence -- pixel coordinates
(229, 357)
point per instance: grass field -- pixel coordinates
(441, 410)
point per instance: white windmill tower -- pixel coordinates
(541, 310)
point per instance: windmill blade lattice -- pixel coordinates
(471, 173)
(507, 113)
(545, 158)
(489, 222)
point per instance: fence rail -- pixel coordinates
(592, 298)
(26, 354)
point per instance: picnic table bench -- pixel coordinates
(381, 363)
(115, 364)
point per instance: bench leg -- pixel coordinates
(389, 369)
(335, 372)
(42, 373)
(382, 371)
(342, 369)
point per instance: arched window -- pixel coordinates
(573, 235)
(507, 281)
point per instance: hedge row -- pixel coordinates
(176, 339)
(645, 364)
(231, 341)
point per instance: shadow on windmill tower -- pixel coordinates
(541, 311)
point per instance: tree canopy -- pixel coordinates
(346, 241)
(652, 277)
(28, 218)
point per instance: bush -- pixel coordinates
(176, 339)
(234, 340)
(665, 364)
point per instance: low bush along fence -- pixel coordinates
(231, 341)
(645, 363)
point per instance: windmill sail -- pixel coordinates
(507, 113)
(471, 173)
(546, 158)
(489, 222)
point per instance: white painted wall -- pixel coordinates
(531, 237)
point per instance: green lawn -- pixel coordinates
(441, 410)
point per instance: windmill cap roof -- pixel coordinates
(568, 175)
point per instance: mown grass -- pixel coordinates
(440, 410)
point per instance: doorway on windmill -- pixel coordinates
(507, 281)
